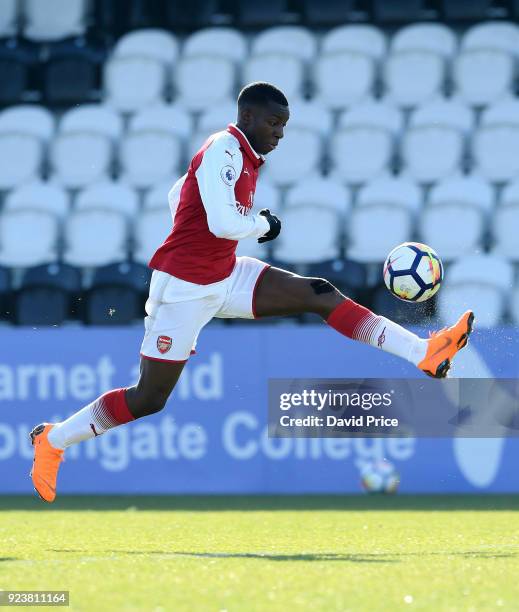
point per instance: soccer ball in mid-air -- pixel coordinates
(413, 272)
(380, 477)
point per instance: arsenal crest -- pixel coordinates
(164, 344)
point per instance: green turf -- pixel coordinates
(254, 553)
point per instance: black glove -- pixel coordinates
(275, 225)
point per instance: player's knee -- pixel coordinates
(320, 286)
(148, 402)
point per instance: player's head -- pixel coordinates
(262, 115)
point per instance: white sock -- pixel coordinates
(392, 338)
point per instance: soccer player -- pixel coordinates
(197, 277)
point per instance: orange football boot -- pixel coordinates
(444, 344)
(46, 462)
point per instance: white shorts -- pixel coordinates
(177, 310)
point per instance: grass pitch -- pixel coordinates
(265, 553)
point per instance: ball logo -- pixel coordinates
(228, 175)
(164, 344)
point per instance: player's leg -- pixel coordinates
(282, 293)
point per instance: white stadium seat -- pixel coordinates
(415, 70)
(343, 78)
(414, 76)
(159, 45)
(297, 155)
(434, 37)
(479, 282)
(514, 305)
(151, 150)
(218, 117)
(295, 41)
(391, 190)
(283, 71)
(24, 132)
(95, 238)
(214, 82)
(132, 83)
(433, 145)
(266, 196)
(310, 114)
(9, 15)
(38, 195)
(490, 49)
(299, 242)
(157, 196)
(319, 191)
(151, 228)
(470, 190)
(369, 130)
(374, 229)
(28, 238)
(221, 42)
(109, 195)
(363, 39)
(496, 142)
(54, 19)
(83, 149)
(505, 223)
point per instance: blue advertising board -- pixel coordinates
(212, 436)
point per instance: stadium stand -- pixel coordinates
(404, 125)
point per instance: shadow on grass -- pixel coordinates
(244, 503)
(322, 556)
(2, 559)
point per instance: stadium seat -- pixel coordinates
(251, 13)
(24, 132)
(467, 189)
(228, 43)
(250, 247)
(514, 305)
(361, 38)
(46, 293)
(496, 142)
(152, 148)
(214, 83)
(283, 71)
(28, 238)
(154, 44)
(70, 73)
(480, 282)
(16, 62)
(213, 119)
(369, 129)
(489, 49)
(388, 189)
(6, 296)
(266, 196)
(415, 69)
(374, 229)
(54, 19)
(343, 78)
(157, 196)
(294, 41)
(434, 143)
(95, 237)
(115, 296)
(406, 313)
(109, 195)
(82, 152)
(505, 221)
(150, 229)
(319, 191)
(454, 228)
(325, 14)
(38, 195)
(299, 242)
(132, 83)
(9, 16)
(298, 155)
(402, 11)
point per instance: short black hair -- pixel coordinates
(261, 93)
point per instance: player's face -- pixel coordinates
(264, 126)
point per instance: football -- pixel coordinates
(413, 272)
(380, 477)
